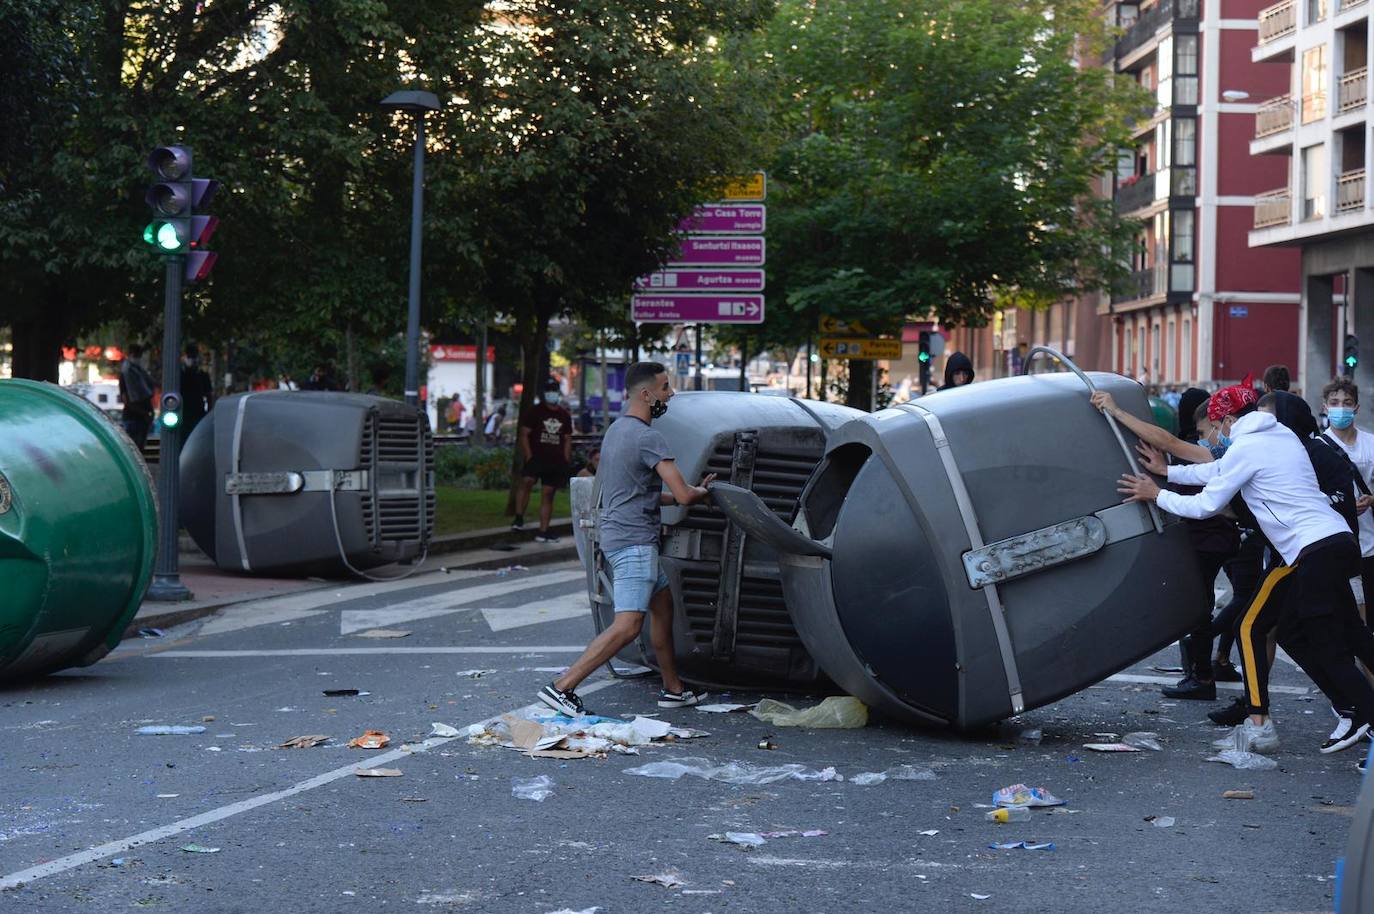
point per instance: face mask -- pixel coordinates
(1225, 440)
(1341, 416)
(552, 398)
(657, 408)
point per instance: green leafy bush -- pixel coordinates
(453, 463)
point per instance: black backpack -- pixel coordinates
(1337, 477)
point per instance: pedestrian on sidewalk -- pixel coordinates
(1342, 401)
(545, 442)
(635, 465)
(197, 394)
(136, 393)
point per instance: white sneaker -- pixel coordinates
(1259, 738)
(1229, 740)
(1352, 735)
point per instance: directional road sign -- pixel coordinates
(705, 309)
(837, 326)
(703, 280)
(720, 251)
(725, 219)
(738, 188)
(832, 348)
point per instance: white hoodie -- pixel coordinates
(1269, 467)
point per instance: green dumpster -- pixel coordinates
(78, 530)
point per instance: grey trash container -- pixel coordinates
(964, 557)
(309, 482)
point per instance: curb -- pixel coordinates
(464, 542)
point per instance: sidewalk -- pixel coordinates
(214, 589)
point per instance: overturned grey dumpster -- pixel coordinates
(731, 623)
(963, 558)
(309, 482)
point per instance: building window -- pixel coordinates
(1185, 70)
(1314, 79)
(1185, 141)
(1316, 175)
(1127, 356)
(1317, 10)
(1154, 353)
(1183, 235)
(1186, 349)
(1170, 352)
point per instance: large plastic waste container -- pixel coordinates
(730, 621)
(1355, 871)
(964, 557)
(309, 482)
(78, 530)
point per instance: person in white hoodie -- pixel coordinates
(1270, 468)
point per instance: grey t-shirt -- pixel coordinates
(630, 488)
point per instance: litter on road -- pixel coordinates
(669, 880)
(371, 739)
(378, 772)
(723, 708)
(473, 674)
(309, 741)
(900, 773)
(1023, 845)
(748, 839)
(1245, 761)
(538, 789)
(443, 730)
(166, 730)
(344, 693)
(838, 712)
(930, 832)
(1009, 814)
(559, 737)
(383, 633)
(199, 849)
(733, 772)
(1238, 795)
(1021, 795)
(1161, 821)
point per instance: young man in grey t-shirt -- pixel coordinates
(635, 465)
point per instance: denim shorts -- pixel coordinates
(635, 577)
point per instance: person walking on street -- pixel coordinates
(1342, 401)
(196, 392)
(545, 441)
(136, 393)
(636, 464)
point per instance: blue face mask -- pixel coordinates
(552, 398)
(1224, 440)
(1340, 416)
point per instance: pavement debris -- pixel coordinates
(1238, 795)
(929, 833)
(723, 708)
(748, 839)
(309, 741)
(591, 910)
(169, 730)
(1009, 814)
(669, 879)
(199, 849)
(555, 736)
(1021, 795)
(371, 739)
(733, 772)
(378, 772)
(1022, 845)
(538, 789)
(502, 572)
(1245, 761)
(443, 730)
(767, 743)
(840, 712)
(900, 773)
(1161, 821)
(344, 693)
(474, 674)
(383, 633)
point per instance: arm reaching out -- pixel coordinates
(1150, 433)
(678, 491)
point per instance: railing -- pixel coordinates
(1350, 4)
(1138, 194)
(1353, 90)
(1273, 208)
(1277, 20)
(1274, 116)
(1350, 191)
(1145, 26)
(1145, 283)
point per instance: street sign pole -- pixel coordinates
(808, 368)
(744, 363)
(166, 585)
(696, 378)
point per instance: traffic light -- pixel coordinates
(1352, 353)
(923, 356)
(170, 414)
(176, 229)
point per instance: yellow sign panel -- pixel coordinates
(737, 188)
(837, 326)
(833, 348)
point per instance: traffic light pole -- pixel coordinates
(167, 586)
(417, 210)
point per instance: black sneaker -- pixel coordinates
(518, 523)
(1225, 671)
(544, 536)
(563, 702)
(1191, 689)
(1346, 734)
(684, 699)
(1230, 715)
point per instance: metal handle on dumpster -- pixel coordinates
(1058, 356)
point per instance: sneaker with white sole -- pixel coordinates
(564, 702)
(684, 699)
(1344, 740)
(544, 536)
(1259, 738)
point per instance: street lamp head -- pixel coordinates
(411, 101)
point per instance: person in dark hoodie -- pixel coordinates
(958, 371)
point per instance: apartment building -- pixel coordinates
(1316, 131)
(1201, 306)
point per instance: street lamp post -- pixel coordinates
(419, 104)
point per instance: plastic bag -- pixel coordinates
(840, 712)
(732, 772)
(1246, 761)
(537, 789)
(900, 773)
(1021, 795)
(1142, 740)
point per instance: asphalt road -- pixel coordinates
(83, 828)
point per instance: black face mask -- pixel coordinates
(657, 409)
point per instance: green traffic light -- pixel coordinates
(923, 357)
(171, 420)
(1351, 361)
(167, 237)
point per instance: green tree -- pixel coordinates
(934, 155)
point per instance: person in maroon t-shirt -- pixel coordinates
(546, 446)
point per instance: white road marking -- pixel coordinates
(1233, 686)
(356, 620)
(109, 849)
(568, 606)
(302, 605)
(337, 651)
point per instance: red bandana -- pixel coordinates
(1232, 399)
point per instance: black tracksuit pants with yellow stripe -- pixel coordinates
(1310, 606)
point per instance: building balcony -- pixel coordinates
(1349, 192)
(1143, 284)
(1277, 21)
(1148, 23)
(1275, 116)
(1135, 194)
(1353, 91)
(1273, 208)
(1350, 4)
